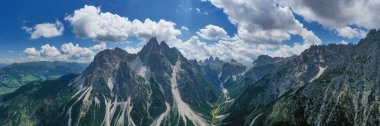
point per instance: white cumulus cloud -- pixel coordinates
(91, 22)
(194, 48)
(46, 30)
(212, 32)
(262, 27)
(184, 28)
(264, 22)
(74, 51)
(339, 15)
(31, 52)
(49, 51)
(349, 32)
(163, 30)
(68, 51)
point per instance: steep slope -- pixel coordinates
(211, 68)
(346, 94)
(322, 86)
(289, 77)
(157, 86)
(36, 103)
(261, 67)
(15, 75)
(221, 73)
(231, 71)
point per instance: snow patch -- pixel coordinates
(184, 110)
(320, 72)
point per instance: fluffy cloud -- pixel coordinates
(46, 30)
(133, 50)
(339, 15)
(31, 52)
(68, 51)
(198, 10)
(75, 51)
(343, 42)
(90, 22)
(262, 26)
(163, 30)
(194, 48)
(212, 32)
(263, 21)
(349, 32)
(184, 28)
(49, 51)
(99, 47)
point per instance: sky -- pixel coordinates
(75, 30)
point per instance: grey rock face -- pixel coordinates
(143, 81)
(221, 73)
(231, 71)
(325, 85)
(346, 94)
(262, 66)
(212, 60)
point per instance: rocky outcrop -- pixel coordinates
(325, 85)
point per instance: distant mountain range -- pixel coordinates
(3, 65)
(15, 75)
(324, 85)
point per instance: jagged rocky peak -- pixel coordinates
(233, 67)
(107, 74)
(231, 70)
(153, 50)
(151, 46)
(371, 41)
(373, 34)
(106, 61)
(317, 86)
(212, 60)
(343, 94)
(265, 59)
(233, 61)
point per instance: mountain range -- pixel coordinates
(15, 75)
(333, 84)
(3, 65)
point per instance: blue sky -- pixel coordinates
(192, 14)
